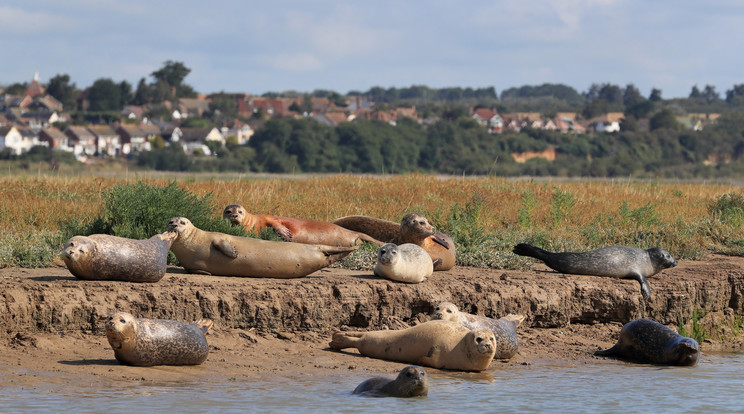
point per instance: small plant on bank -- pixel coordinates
(697, 333)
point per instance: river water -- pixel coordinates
(715, 385)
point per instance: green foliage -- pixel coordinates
(697, 332)
(525, 214)
(728, 208)
(561, 205)
(29, 249)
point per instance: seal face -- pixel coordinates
(106, 257)
(405, 263)
(623, 262)
(438, 344)
(148, 342)
(412, 381)
(647, 341)
(504, 329)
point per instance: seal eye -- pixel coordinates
(409, 375)
(183, 222)
(478, 340)
(122, 320)
(449, 310)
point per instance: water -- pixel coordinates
(714, 385)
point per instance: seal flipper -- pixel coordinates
(437, 263)
(226, 248)
(524, 249)
(612, 352)
(645, 287)
(440, 240)
(204, 325)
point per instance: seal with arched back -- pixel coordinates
(623, 262)
(148, 342)
(411, 381)
(647, 341)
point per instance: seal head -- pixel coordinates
(411, 381)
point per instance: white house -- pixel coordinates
(11, 138)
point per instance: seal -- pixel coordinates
(148, 342)
(221, 254)
(405, 263)
(504, 329)
(623, 262)
(647, 341)
(296, 229)
(413, 228)
(106, 257)
(411, 381)
(437, 344)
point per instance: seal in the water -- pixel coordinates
(222, 254)
(412, 381)
(437, 344)
(405, 263)
(413, 228)
(622, 262)
(297, 230)
(504, 329)
(647, 341)
(148, 342)
(106, 257)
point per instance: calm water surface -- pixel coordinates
(715, 385)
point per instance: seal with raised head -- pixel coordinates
(297, 230)
(504, 329)
(148, 342)
(623, 262)
(221, 254)
(106, 257)
(405, 263)
(437, 344)
(647, 341)
(413, 228)
(411, 381)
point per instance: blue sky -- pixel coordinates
(303, 45)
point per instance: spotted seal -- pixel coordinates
(504, 329)
(647, 341)
(106, 257)
(411, 381)
(148, 342)
(405, 263)
(437, 344)
(297, 230)
(623, 262)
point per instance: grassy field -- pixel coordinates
(485, 216)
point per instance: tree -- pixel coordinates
(17, 88)
(125, 91)
(664, 119)
(62, 90)
(735, 95)
(172, 73)
(695, 93)
(105, 95)
(143, 93)
(223, 106)
(710, 95)
(655, 95)
(631, 95)
(610, 93)
(640, 109)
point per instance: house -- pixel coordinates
(133, 112)
(331, 118)
(81, 140)
(34, 88)
(12, 139)
(530, 120)
(107, 140)
(195, 139)
(136, 138)
(270, 107)
(238, 129)
(190, 108)
(55, 139)
(489, 119)
(609, 122)
(45, 103)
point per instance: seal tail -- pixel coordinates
(204, 325)
(608, 352)
(514, 318)
(524, 249)
(336, 253)
(341, 340)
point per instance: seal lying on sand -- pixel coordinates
(296, 229)
(622, 262)
(504, 329)
(148, 342)
(221, 254)
(106, 257)
(413, 228)
(412, 381)
(405, 263)
(438, 344)
(647, 341)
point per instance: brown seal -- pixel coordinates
(411, 381)
(647, 341)
(106, 257)
(408, 263)
(148, 342)
(413, 228)
(222, 254)
(504, 329)
(438, 344)
(623, 262)
(296, 229)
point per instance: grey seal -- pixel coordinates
(647, 341)
(412, 381)
(405, 263)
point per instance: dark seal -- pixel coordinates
(412, 381)
(148, 342)
(647, 341)
(623, 262)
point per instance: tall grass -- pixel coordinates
(485, 216)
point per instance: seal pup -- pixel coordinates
(437, 344)
(296, 229)
(647, 341)
(405, 263)
(106, 257)
(413, 228)
(148, 342)
(221, 254)
(411, 381)
(504, 329)
(623, 262)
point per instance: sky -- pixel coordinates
(304, 45)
